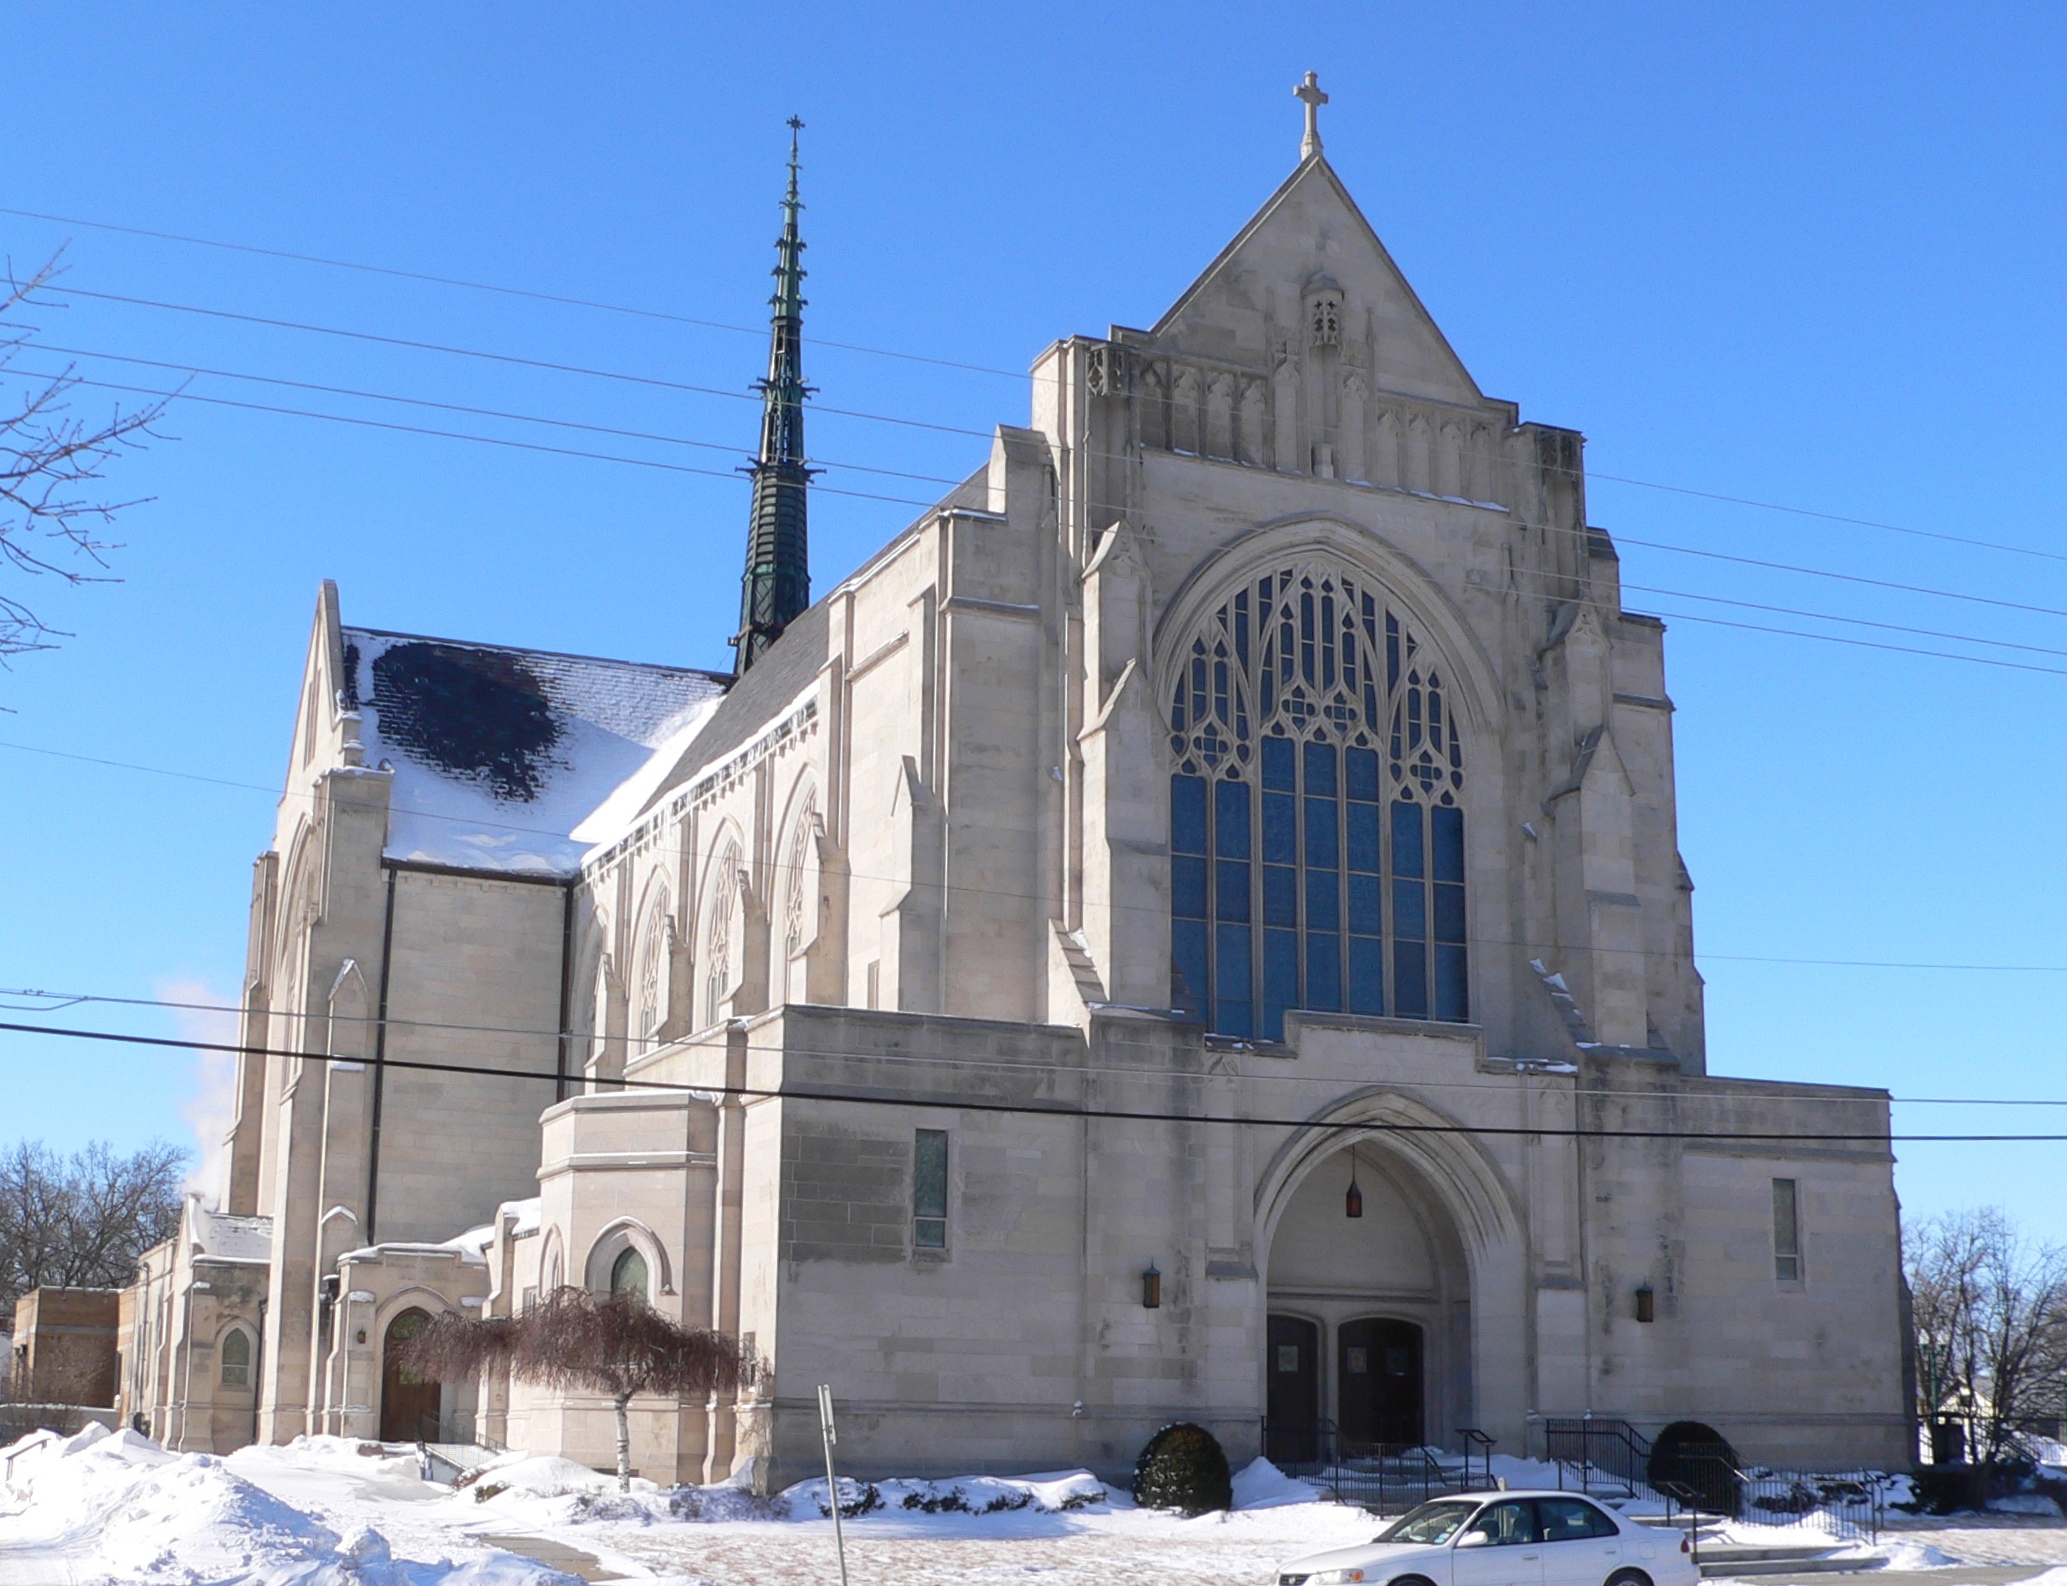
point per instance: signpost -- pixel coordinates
(832, 1482)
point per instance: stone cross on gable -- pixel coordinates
(1310, 91)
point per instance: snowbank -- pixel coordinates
(116, 1508)
(1261, 1485)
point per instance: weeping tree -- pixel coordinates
(613, 1344)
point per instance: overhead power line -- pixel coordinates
(503, 357)
(518, 292)
(1048, 1110)
(457, 407)
(1863, 644)
(1477, 941)
(501, 291)
(950, 363)
(650, 463)
(503, 441)
(1829, 517)
(49, 1002)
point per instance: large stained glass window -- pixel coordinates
(1316, 812)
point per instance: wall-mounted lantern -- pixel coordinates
(1353, 1202)
(1646, 1303)
(1151, 1288)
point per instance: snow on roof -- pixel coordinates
(499, 754)
(474, 1242)
(226, 1238)
(527, 1215)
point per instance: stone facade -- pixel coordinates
(1232, 834)
(190, 1335)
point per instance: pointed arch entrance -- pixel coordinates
(409, 1400)
(1369, 1335)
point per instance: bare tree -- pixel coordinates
(50, 514)
(83, 1221)
(616, 1345)
(1991, 1326)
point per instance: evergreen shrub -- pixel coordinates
(1183, 1468)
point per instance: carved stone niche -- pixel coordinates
(1323, 312)
(1108, 370)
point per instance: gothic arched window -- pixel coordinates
(628, 1273)
(717, 941)
(797, 918)
(1316, 823)
(653, 956)
(236, 1358)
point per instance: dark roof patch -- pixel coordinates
(473, 713)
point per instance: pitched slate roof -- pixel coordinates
(499, 754)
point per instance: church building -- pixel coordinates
(1192, 928)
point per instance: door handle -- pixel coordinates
(1532, 1555)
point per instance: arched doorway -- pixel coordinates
(1697, 1459)
(1373, 1289)
(408, 1399)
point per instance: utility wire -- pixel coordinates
(1829, 517)
(780, 867)
(1864, 644)
(57, 1001)
(451, 407)
(822, 462)
(501, 291)
(449, 435)
(1030, 898)
(1017, 374)
(987, 1105)
(501, 357)
(639, 462)
(1624, 479)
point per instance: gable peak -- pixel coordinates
(1255, 302)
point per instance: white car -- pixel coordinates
(1504, 1539)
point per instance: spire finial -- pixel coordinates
(777, 585)
(1310, 91)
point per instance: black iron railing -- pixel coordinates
(1597, 1451)
(1382, 1478)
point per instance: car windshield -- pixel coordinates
(1430, 1524)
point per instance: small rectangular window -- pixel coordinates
(929, 1190)
(1786, 1231)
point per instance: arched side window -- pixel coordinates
(236, 1358)
(650, 1010)
(628, 1273)
(719, 932)
(1316, 826)
(798, 917)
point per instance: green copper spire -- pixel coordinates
(778, 561)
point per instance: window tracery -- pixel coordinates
(1326, 314)
(717, 951)
(653, 956)
(796, 911)
(1316, 823)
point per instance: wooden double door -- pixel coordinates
(1379, 1386)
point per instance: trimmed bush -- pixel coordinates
(1183, 1468)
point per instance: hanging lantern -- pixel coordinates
(1646, 1303)
(1151, 1288)
(1353, 1202)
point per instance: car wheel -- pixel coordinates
(1629, 1577)
(1423, 1580)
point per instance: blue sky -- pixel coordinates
(1798, 255)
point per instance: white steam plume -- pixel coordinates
(210, 1108)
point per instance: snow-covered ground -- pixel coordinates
(115, 1509)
